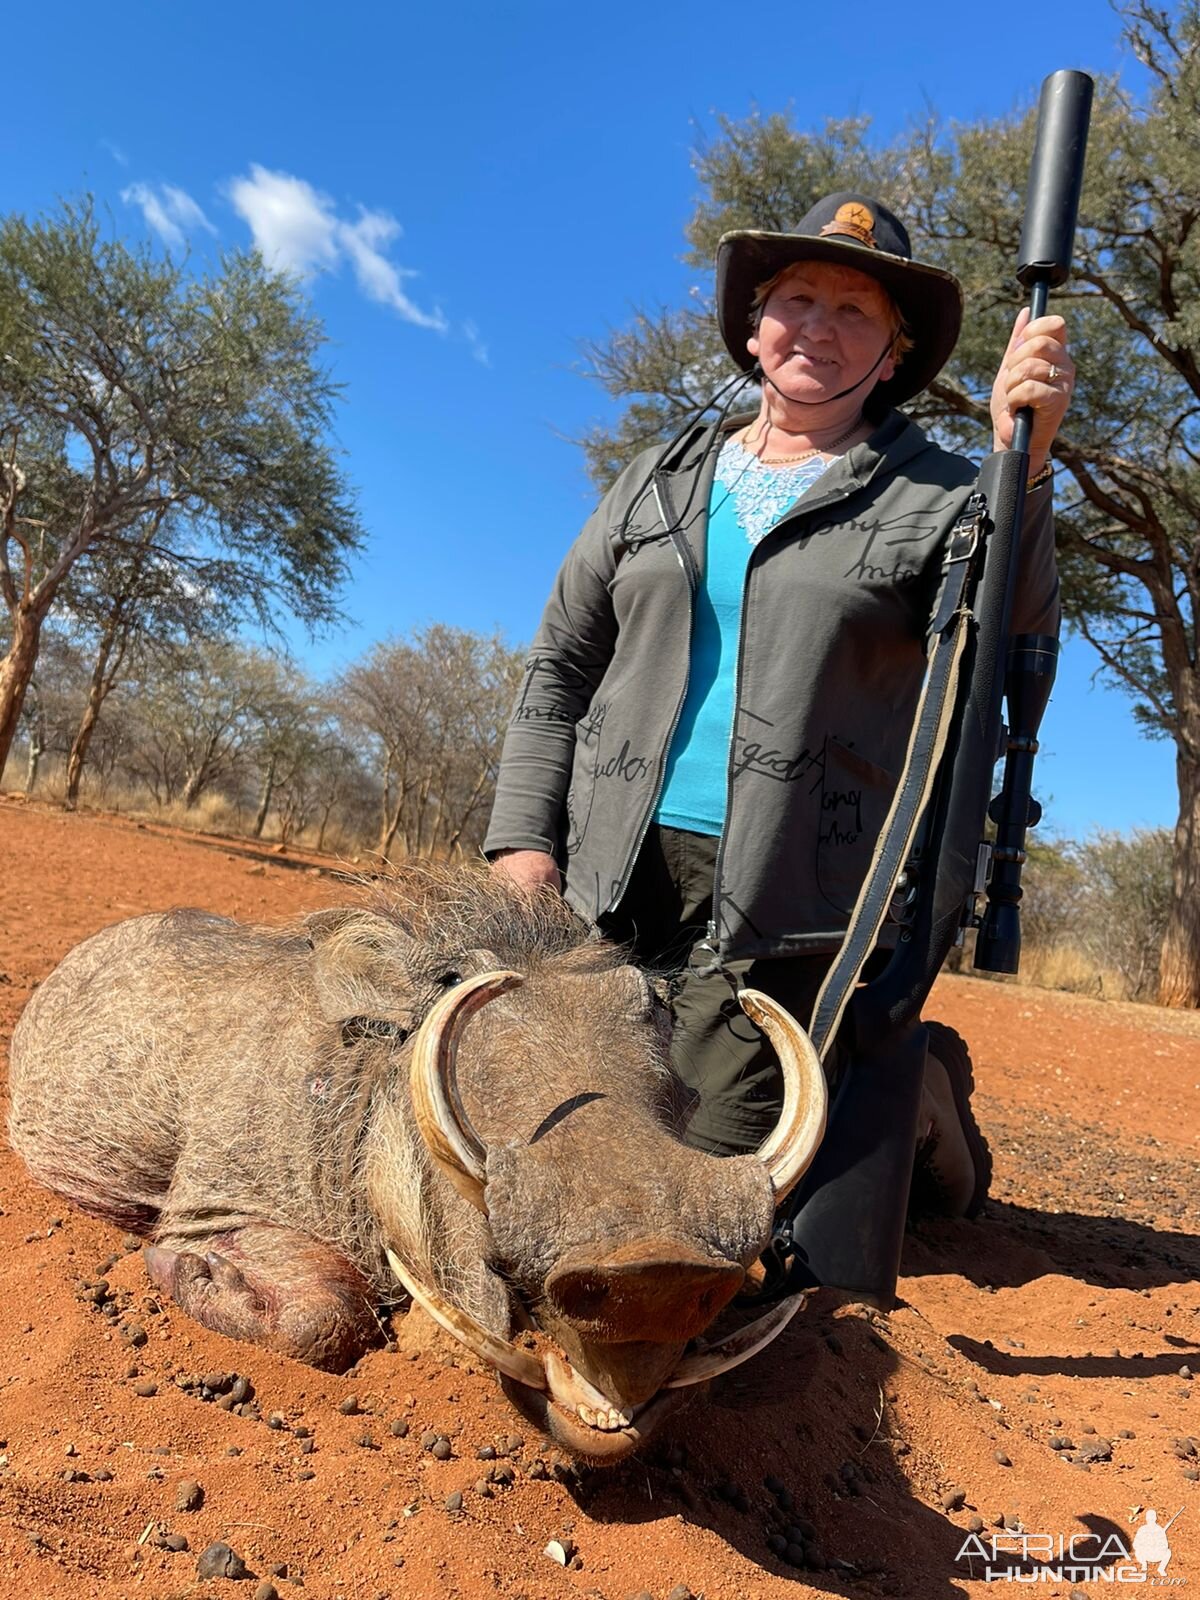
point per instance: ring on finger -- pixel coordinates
(1054, 373)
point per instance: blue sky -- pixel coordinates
(471, 190)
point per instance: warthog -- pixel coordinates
(454, 1082)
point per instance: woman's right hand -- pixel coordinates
(528, 869)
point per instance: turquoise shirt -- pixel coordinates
(748, 499)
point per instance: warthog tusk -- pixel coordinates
(789, 1149)
(443, 1124)
(710, 1360)
(518, 1364)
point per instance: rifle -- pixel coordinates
(844, 1225)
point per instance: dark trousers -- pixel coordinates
(716, 1049)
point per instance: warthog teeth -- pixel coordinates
(608, 1421)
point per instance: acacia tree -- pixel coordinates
(133, 396)
(1128, 489)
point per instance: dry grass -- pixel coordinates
(213, 813)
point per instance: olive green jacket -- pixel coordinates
(837, 603)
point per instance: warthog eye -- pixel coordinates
(449, 980)
(355, 1028)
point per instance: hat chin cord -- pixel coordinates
(840, 395)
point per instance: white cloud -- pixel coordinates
(478, 349)
(115, 152)
(171, 212)
(297, 228)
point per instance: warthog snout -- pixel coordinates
(660, 1288)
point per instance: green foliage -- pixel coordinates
(128, 387)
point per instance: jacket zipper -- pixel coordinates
(683, 555)
(711, 938)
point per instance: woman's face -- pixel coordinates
(822, 330)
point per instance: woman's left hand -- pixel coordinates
(1037, 371)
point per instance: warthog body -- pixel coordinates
(241, 1096)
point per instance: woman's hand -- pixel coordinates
(1037, 371)
(528, 869)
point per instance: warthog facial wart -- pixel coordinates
(453, 1086)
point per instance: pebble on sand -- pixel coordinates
(189, 1495)
(220, 1561)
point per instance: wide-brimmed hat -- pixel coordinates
(851, 230)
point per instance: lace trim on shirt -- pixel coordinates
(761, 494)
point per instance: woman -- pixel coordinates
(717, 703)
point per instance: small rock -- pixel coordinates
(266, 1591)
(1059, 1441)
(454, 1502)
(954, 1500)
(1097, 1449)
(1002, 1459)
(366, 1442)
(398, 1429)
(560, 1550)
(134, 1334)
(307, 1446)
(240, 1390)
(189, 1495)
(1192, 1474)
(175, 1542)
(1185, 1372)
(349, 1406)
(219, 1561)
(513, 1443)
(441, 1451)
(276, 1421)
(773, 1485)
(483, 1488)
(145, 1388)
(680, 1592)
(429, 1438)
(486, 1452)
(975, 1524)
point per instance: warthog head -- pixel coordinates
(563, 1230)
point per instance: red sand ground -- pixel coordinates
(1072, 1306)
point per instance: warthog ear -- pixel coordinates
(358, 967)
